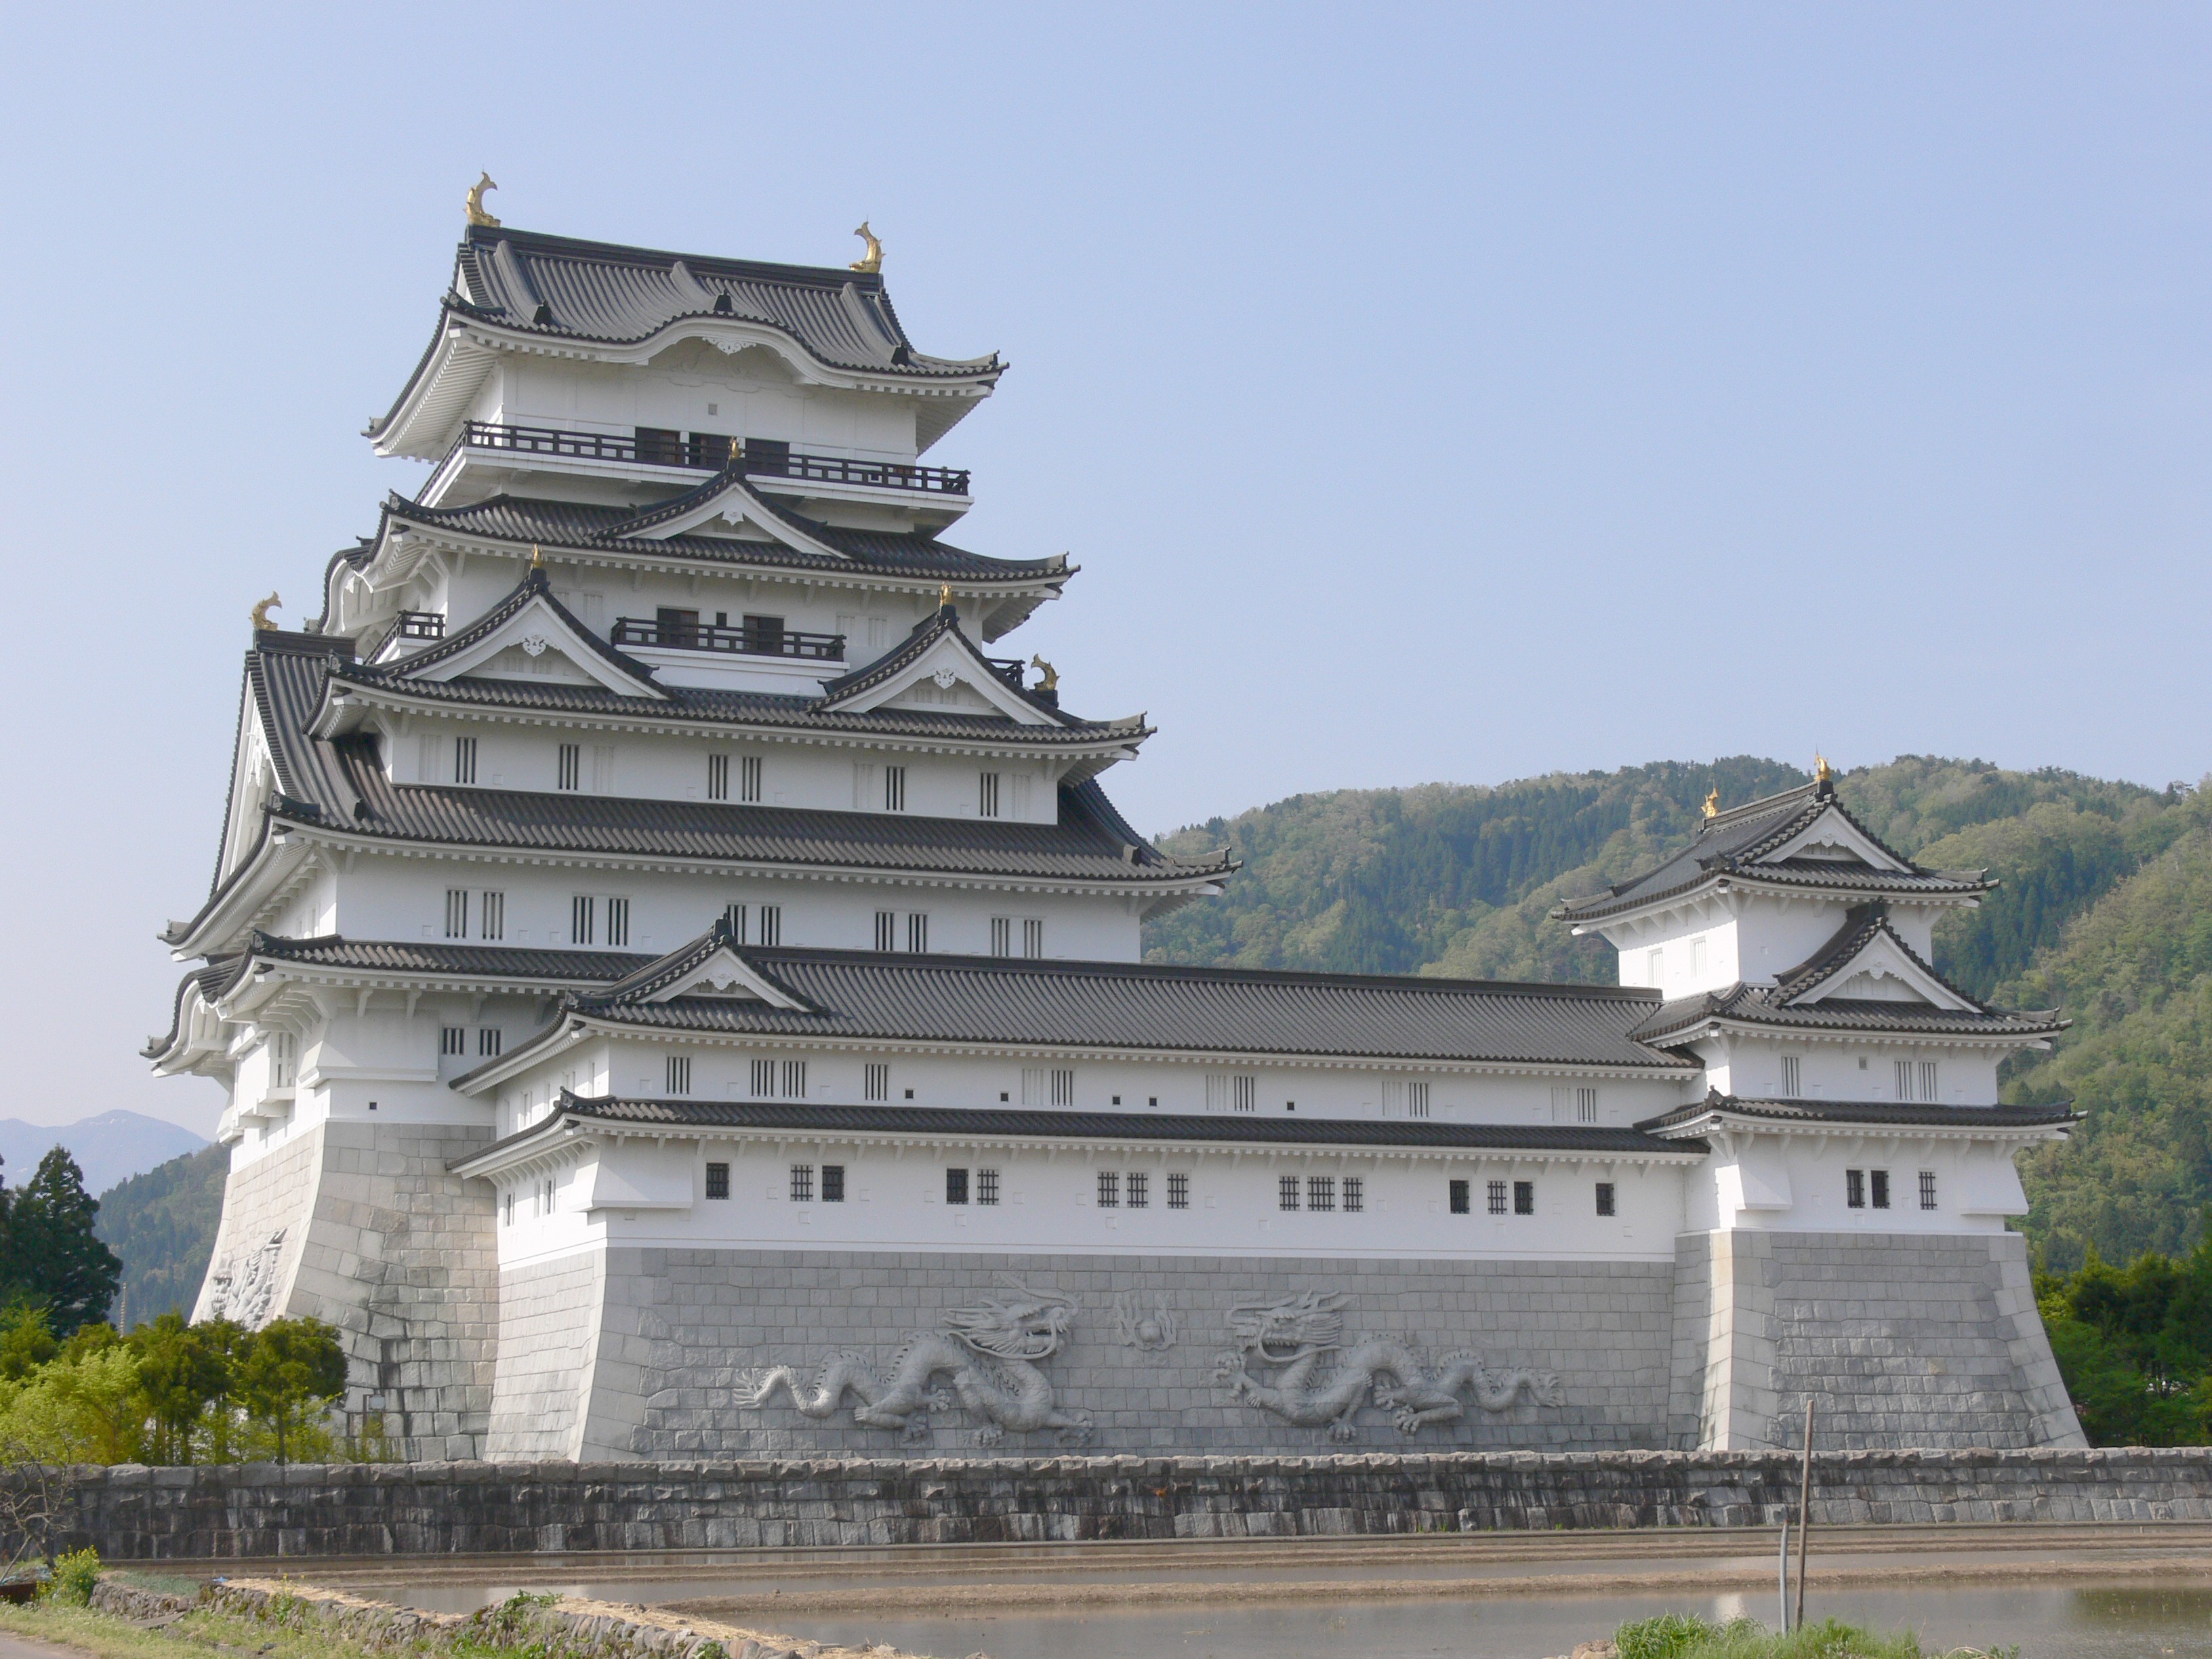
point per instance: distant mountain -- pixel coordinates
(163, 1223)
(2104, 909)
(107, 1148)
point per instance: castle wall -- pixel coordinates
(549, 1338)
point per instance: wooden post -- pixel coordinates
(1804, 1511)
(1782, 1572)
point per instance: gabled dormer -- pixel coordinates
(939, 667)
(531, 637)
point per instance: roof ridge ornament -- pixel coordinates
(1051, 681)
(261, 612)
(1713, 803)
(1824, 776)
(870, 263)
(475, 208)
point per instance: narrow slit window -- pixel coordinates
(618, 921)
(917, 931)
(491, 915)
(718, 777)
(465, 759)
(794, 1079)
(987, 795)
(771, 924)
(876, 1081)
(734, 917)
(763, 1079)
(1793, 1076)
(583, 914)
(887, 930)
(1904, 1079)
(678, 1072)
(457, 913)
(1417, 1100)
(1033, 936)
(568, 767)
(749, 778)
(1002, 936)
(1063, 1088)
(1585, 1104)
(488, 1041)
(453, 1040)
(1928, 1090)
(894, 789)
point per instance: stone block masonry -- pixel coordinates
(230, 1512)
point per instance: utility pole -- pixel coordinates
(1804, 1511)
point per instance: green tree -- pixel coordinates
(293, 1367)
(182, 1374)
(52, 1252)
(27, 1342)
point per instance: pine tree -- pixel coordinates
(52, 1253)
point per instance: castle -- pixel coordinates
(679, 996)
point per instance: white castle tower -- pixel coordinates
(679, 994)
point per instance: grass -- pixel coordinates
(1682, 1636)
(190, 1638)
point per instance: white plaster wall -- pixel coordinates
(1749, 936)
(649, 767)
(1050, 1204)
(1797, 1183)
(405, 899)
(1847, 1068)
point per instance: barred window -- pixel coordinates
(718, 1181)
(1417, 1100)
(491, 915)
(749, 778)
(1460, 1204)
(917, 931)
(1928, 1189)
(763, 1079)
(1140, 1185)
(1063, 1088)
(794, 1079)
(1178, 1190)
(1321, 1193)
(488, 1041)
(1793, 1073)
(733, 917)
(1232, 1092)
(1032, 936)
(1524, 1198)
(1585, 1105)
(1497, 1197)
(1879, 1180)
(618, 921)
(887, 930)
(465, 759)
(583, 912)
(956, 1185)
(1109, 1189)
(1605, 1197)
(718, 777)
(802, 1183)
(679, 1074)
(1855, 1186)
(568, 767)
(1928, 1090)
(876, 1081)
(894, 789)
(1287, 1191)
(987, 795)
(1002, 936)
(1355, 1194)
(771, 924)
(1904, 1079)
(453, 1040)
(457, 913)
(986, 1186)
(833, 1183)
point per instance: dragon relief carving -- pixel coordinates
(991, 1353)
(246, 1292)
(1319, 1380)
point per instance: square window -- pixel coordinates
(833, 1183)
(986, 1186)
(1140, 1190)
(1460, 1204)
(1109, 1189)
(1605, 1197)
(718, 1181)
(1524, 1198)
(956, 1185)
(1321, 1193)
(1497, 1197)
(1178, 1190)
(802, 1183)
(1287, 1191)
(1355, 1194)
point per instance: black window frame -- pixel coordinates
(956, 1185)
(718, 1181)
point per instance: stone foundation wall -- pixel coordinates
(688, 1334)
(133, 1513)
(549, 1339)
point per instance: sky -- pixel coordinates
(1428, 393)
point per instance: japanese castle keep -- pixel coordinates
(675, 969)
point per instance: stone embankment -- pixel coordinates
(131, 1512)
(566, 1628)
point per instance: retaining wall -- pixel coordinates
(131, 1512)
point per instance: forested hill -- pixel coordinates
(2104, 909)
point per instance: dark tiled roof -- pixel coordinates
(941, 623)
(529, 521)
(1734, 843)
(1863, 925)
(550, 969)
(1752, 1005)
(210, 982)
(1145, 1006)
(533, 585)
(561, 287)
(1095, 1126)
(1874, 1114)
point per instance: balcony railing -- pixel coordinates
(420, 625)
(749, 642)
(707, 452)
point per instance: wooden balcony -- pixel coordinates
(758, 636)
(707, 452)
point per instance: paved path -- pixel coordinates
(23, 1647)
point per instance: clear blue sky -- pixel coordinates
(1429, 393)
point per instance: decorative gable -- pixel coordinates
(537, 638)
(1882, 969)
(1831, 836)
(946, 673)
(724, 975)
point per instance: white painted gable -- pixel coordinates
(1831, 836)
(727, 974)
(537, 643)
(1883, 971)
(739, 506)
(949, 666)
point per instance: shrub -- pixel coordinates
(75, 1573)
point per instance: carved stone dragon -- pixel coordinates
(1296, 1337)
(989, 1351)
